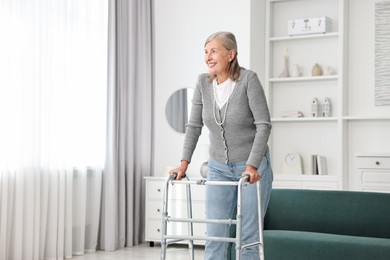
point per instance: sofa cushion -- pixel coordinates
(297, 245)
(338, 212)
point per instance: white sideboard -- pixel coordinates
(177, 206)
(374, 171)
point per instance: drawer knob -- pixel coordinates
(377, 163)
(158, 230)
(158, 210)
(159, 190)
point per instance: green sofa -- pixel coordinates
(316, 225)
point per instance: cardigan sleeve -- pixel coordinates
(259, 108)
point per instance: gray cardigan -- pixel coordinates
(244, 134)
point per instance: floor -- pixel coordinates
(144, 252)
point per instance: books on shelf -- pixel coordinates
(292, 114)
(319, 165)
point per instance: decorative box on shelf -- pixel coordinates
(309, 26)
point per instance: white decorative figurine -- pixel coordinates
(329, 70)
(316, 70)
(285, 73)
(327, 108)
(296, 71)
(315, 108)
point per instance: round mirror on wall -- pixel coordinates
(178, 109)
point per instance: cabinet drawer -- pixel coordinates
(379, 177)
(199, 229)
(153, 230)
(155, 189)
(177, 191)
(197, 192)
(373, 162)
(154, 209)
(198, 209)
(376, 189)
(176, 208)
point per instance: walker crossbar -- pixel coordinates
(173, 241)
(168, 239)
(198, 220)
(220, 239)
(205, 182)
(252, 244)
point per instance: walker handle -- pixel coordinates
(247, 177)
(174, 175)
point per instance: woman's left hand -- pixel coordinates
(252, 172)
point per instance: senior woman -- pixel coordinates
(231, 102)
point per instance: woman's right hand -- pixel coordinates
(181, 171)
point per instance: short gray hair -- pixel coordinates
(228, 40)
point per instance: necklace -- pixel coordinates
(231, 86)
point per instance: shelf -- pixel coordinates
(306, 177)
(366, 118)
(373, 155)
(347, 118)
(303, 119)
(303, 37)
(306, 181)
(285, 0)
(297, 79)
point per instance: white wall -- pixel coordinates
(257, 50)
(181, 27)
(364, 136)
(362, 59)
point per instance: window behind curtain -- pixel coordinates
(53, 67)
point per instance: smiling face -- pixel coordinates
(218, 59)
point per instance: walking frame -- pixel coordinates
(170, 239)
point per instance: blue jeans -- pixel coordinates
(221, 202)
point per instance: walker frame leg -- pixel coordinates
(237, 240)
(164, 226)
(190, 224)
(261, 219)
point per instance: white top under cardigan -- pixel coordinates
(245, 132)
(223, 91)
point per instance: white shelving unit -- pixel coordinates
(307, 135)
